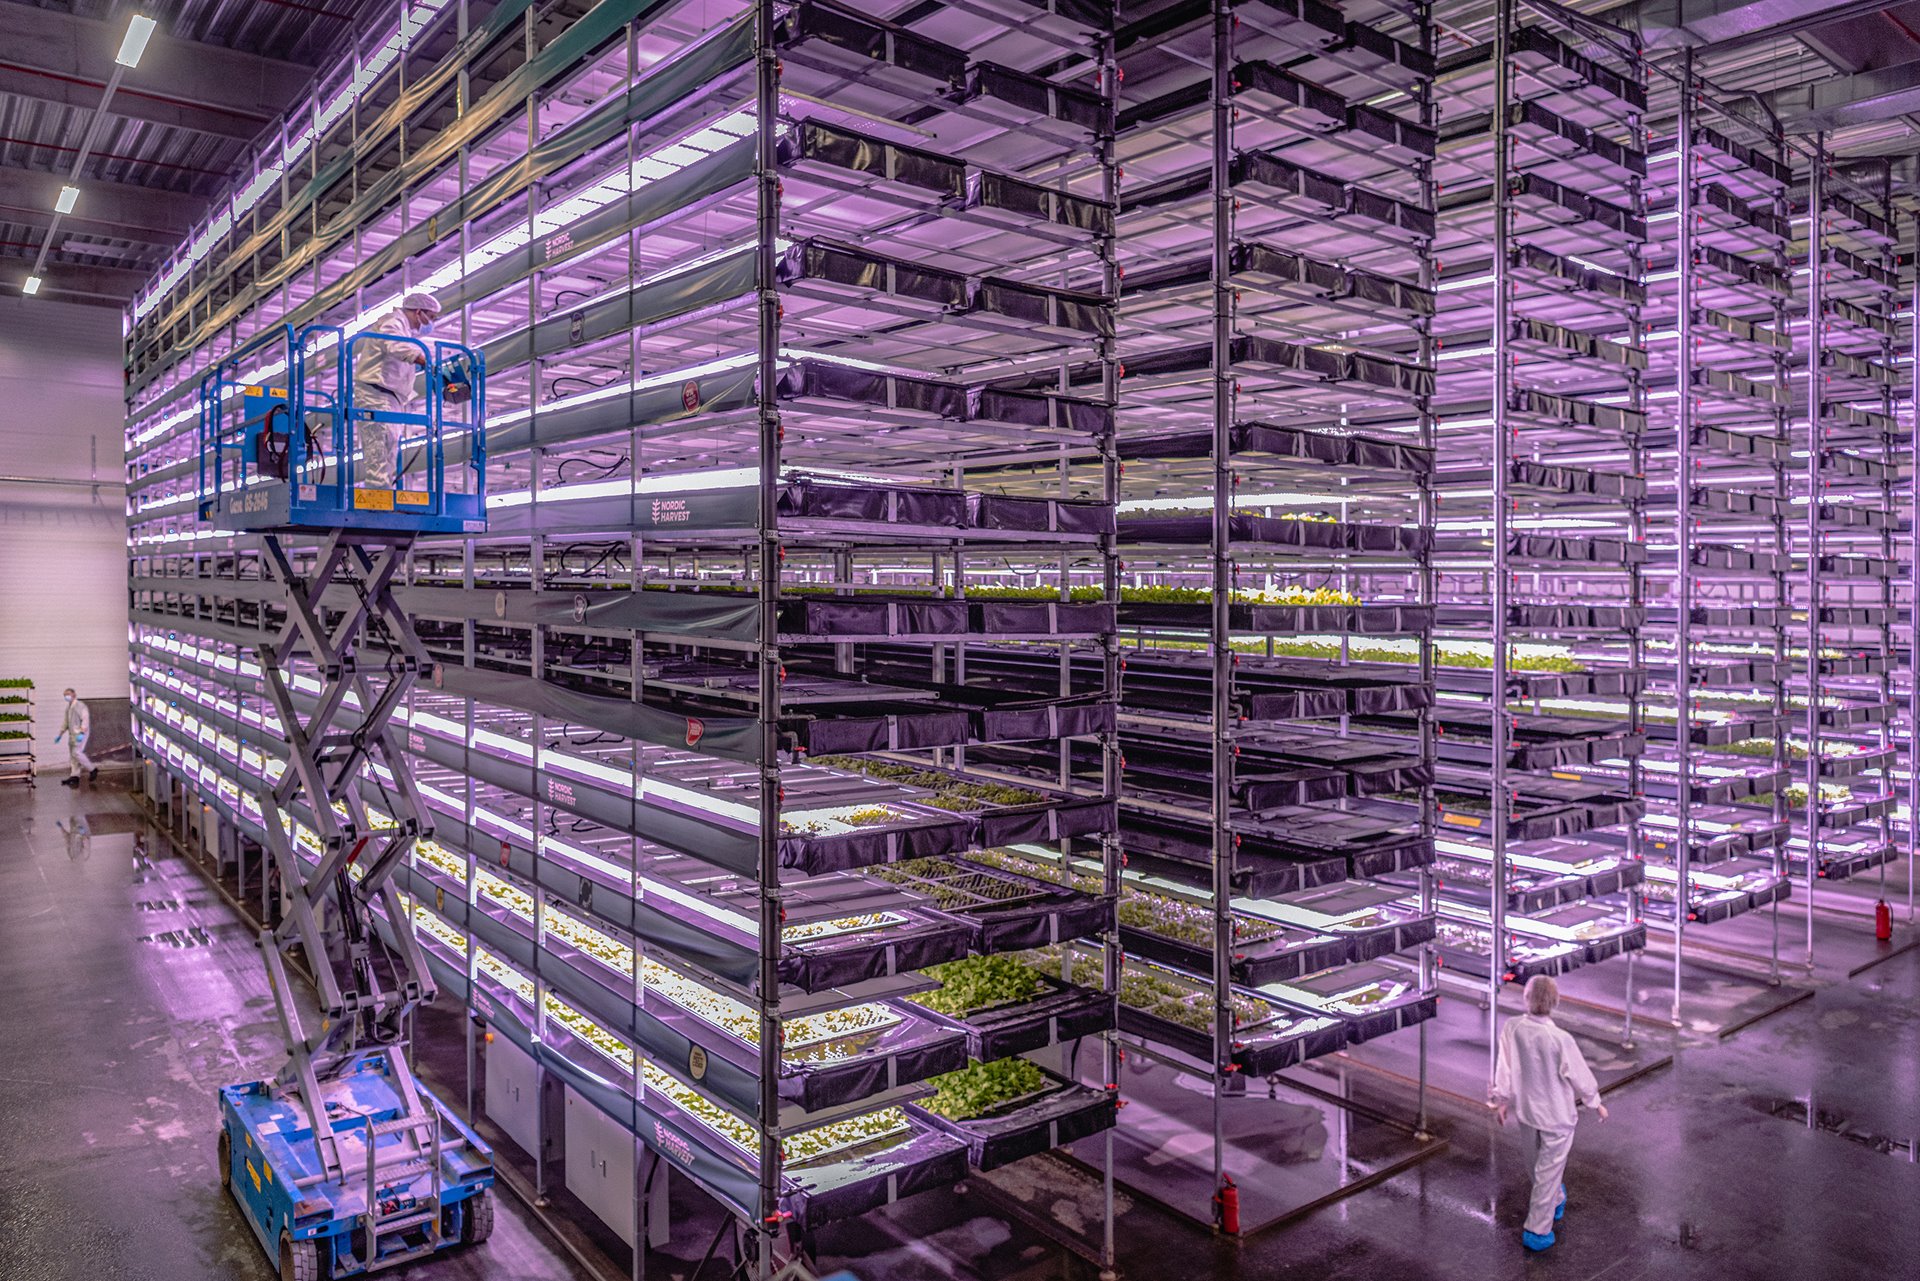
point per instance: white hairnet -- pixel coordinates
(418, 301)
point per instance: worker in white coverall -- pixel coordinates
(1539, 1079)
(74, 727)
(383, 374)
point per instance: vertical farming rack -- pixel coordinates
(1716, 846)
(1544, 441)
(759, 836)
(1276, 224)
(1852, 468)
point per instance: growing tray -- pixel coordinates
(1064, 1112)
(1321, 994)
(1063, 1013)
(1004, 911)
(1306, 537)
(1285, 953)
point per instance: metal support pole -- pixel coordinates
(1913, 575)
(1500, 722)
(1683, 531)
(1816, 332)
(1110, 854)
(767, 180)
(1219, 636)
(1429, 587)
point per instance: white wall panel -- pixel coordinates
(63, 568)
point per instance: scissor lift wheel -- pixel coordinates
(476, 1218)
(226, 1161)
(299, 1260)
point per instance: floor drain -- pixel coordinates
(1796, 1111)
(192, 937)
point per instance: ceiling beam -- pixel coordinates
(145, 244)
(1726, 24)
(1865, 97)
(107, 286)
(140, 213)
(56, 57)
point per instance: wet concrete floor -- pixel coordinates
(128, 993)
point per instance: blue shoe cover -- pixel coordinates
(1536, 1241)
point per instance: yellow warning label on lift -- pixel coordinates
(254, 1175)
(413, 499)
(278, 393)
(373, 500)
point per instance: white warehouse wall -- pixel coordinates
(63, 548)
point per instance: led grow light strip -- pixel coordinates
(653, 167)
(413, 21)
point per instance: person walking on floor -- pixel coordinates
(1540, 1078)
(75, 727)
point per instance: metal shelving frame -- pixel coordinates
(1250, 305)
(794, 319)
(1852, 472)
(1545, 443)
(1726, 371)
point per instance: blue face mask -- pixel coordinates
(426, 327)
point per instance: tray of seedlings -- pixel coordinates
(1005, 900)
(1007, 1005)
(1010, 1108)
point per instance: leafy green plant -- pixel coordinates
(16, 682)
(978, 1088)
(976, 983)
(14, 733)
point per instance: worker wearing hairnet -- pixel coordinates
(1540, 1078)
(75, 724)
(383, 374)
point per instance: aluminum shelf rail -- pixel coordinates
(1542, 544)
(773, 304)
(1722, 561)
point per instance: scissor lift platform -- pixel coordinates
(432, 1176)
(343, 1164)
(300, 458)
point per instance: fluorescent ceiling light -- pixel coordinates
(139, 31)
(31, 287)
(69, 196)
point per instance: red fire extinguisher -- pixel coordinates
(1882, 921)
(1226, 1204)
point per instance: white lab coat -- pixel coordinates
(1541, 1077)
(383, 378)
(75, 729)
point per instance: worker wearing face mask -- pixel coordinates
(1541, 1079)
(383, 374)
(75, 725)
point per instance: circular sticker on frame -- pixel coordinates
(579, 609)
(689, 395)
(499, 604)
(697, 1063)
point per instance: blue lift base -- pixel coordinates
(273, 1167)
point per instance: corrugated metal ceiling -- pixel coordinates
(43, 134)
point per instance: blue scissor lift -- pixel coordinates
(343, 1163)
